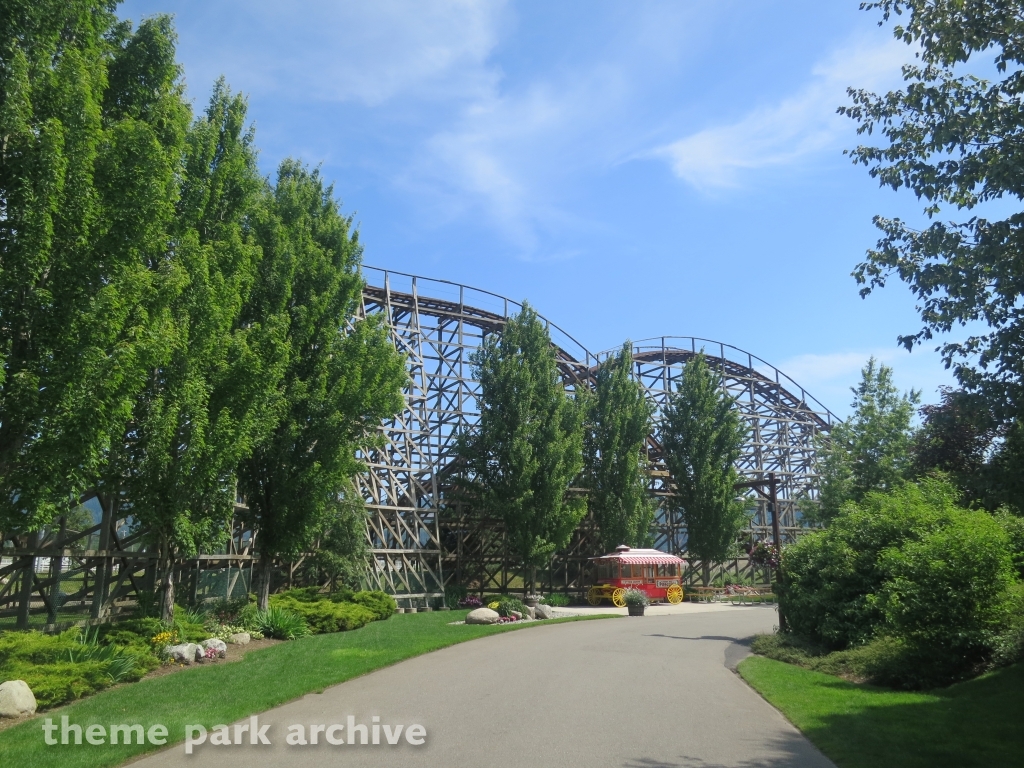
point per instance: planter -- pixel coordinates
(636, 610)
(531, 600)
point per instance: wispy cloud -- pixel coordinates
(829, 377)
(790, 130)
(361, 52)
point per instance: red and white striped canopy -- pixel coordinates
(626, 554)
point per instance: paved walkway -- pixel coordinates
(651, 692)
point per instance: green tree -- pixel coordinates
(702, 436)
(614, 447)
(954, 140)
(343, 378)
(528, 445)
(871, 450)
(92, 123)
(214, 394)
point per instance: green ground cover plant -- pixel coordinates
(263, 679)
(973, 724)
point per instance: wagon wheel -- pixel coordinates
(595, 595)
(674, 594)
(619, 598)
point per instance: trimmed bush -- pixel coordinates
(326, 616)
(558, 600)
(381, 604)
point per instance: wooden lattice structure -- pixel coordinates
(422, 536)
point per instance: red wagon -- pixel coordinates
(652, 571)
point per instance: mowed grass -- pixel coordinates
(222, 693)
(976, 723)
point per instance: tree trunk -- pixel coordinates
(167, 583)
(705, 572)
(263, 587)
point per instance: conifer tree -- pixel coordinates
(528, 445)
(619, 423)
(702, 436)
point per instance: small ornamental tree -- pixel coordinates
(527, 448)
(702, 435)
(618, 425)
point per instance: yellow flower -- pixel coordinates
(493, 606)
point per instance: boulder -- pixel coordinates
(515, 615)
(218, 645)
(240, 638)
(531, 612)
(16, 699)
(482, 616)
(543, 612)
(185, 653)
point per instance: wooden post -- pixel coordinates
(773, 501)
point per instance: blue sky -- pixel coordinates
(633, 169)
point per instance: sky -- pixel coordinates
(633, 169)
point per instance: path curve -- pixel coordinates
(651, 692)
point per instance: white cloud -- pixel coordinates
(828, 377)
(363, 52)
(794, 128)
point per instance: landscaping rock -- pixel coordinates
(543, 612)
(185, 653)
(16, 699)
(531, 612)
(515, 615)
(240, 638)
(218, 645)
(482, 616)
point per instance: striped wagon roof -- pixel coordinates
(626, 554)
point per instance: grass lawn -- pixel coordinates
(223, 693)
(976, 723)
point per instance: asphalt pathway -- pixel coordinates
(651, 692)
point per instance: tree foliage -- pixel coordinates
(871, 450)
(955, 139)
(702, 436)
(907, 564)
(614, 447)
(528, 445)
(341, 379)
(214, 392)
(92, 124)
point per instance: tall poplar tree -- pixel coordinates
(618, 425)
(215, 393)
(92, 123)
(528, 445)
(702, 436)
(342, 379)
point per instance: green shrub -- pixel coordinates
(61, 668)
(281, 623)
(852, 582)
(1013, 525)
(302, 594)
(453, 593)
(381, 604)
(325, 616)
(507, 604)
(558, 600)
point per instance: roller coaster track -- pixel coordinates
(420, 541)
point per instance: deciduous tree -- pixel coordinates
(527, 448)
(702, 436)
(618, 425)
